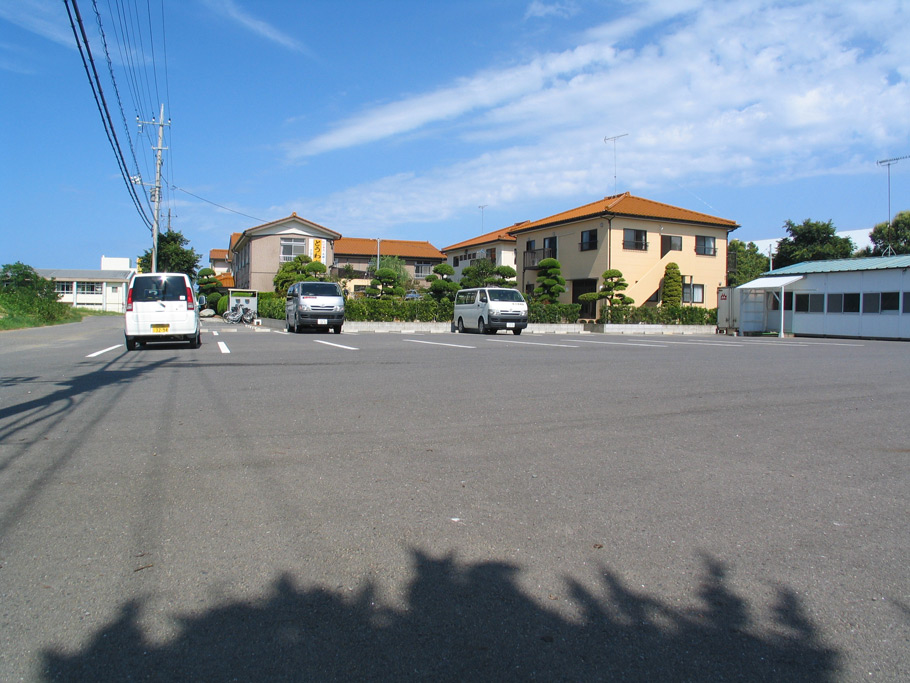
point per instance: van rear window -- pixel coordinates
(159, 288)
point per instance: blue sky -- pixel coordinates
(399, 119)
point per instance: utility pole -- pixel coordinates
(156, 190)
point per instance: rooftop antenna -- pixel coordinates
(613, 140)
(482, 207)
(889, 163)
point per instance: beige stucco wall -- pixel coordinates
(643, 270)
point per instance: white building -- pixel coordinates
(103, 289)
(863, 297)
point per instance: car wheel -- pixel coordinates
(460, 326)
(130, 344)
(296, 324)
(287, 324)
(516, 331)
(481, 328)
(196, 341)
(337, 329)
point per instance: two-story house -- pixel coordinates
(636, 236)
(497, 247)
(257, 254)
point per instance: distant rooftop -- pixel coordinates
(845, 265)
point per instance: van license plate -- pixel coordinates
(322, 321)
(160, 329)
(510, 325)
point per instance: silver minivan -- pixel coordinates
(488, 309)
(161, 307)
(314, 304)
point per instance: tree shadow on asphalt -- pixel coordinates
(465, 622)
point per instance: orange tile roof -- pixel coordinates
(226, 279)
(502, 235)
(634, 207)
(235, 237)
(218, 254)
(361, 246)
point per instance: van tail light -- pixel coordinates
(190, 301)
(129, 300)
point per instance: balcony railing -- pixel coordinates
(635, 245)
(533, 257)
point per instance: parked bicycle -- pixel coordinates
(239, 314)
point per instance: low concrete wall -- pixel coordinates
(650, 329)
(532, 328)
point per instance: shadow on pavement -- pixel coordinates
(465, 622)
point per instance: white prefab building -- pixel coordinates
(863, 297)
(100, 289)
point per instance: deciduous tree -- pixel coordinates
(173, 255)
(811, 241)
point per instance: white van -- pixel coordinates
(314, 304)
(161, 307)
(488, 309)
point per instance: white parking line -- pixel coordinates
(98, 353)
(509, 341)
(455, 346)
(650, 345)
(224, 348)
(214, 334)
(340, 346)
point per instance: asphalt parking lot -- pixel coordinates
(275, 506)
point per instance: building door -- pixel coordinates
(579, 287)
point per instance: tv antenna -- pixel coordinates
(613, 140)
(482, 207)
(889, 163)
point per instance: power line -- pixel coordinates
(208, 201)
(101, 103)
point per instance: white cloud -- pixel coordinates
(233, 11)
(539, 9)
(40, 17)
(735, 93)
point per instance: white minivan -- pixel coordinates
(161, 307)
(315, 304)
(487, 309)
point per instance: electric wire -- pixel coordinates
(101, 103)
(110, 68)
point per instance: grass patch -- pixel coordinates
(19, 309)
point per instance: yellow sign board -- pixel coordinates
(317, 250)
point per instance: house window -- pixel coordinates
(851, 303)
(63, 287)
(705, 246)
(693, 294)
(88, 288)
(636, 240)
(670, 243)
(422, 269)
(872, 302)
(491, 254)
(454, 261)
(549, 243)
(891, 301)
(906, 302)
(531, 246)
(835, 303)
(588, 240)
(292, 247)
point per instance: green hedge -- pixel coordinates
(374, 310)
(553, 313)
(660, 315)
